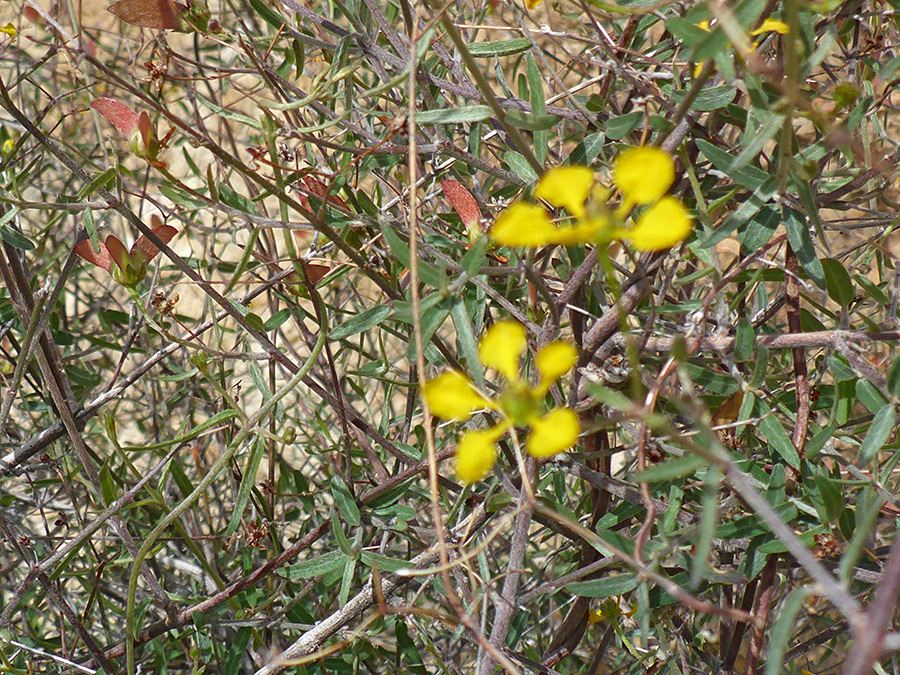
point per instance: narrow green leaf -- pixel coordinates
(361, 322)
(832, 499)
(671, 470)
(745, 339)
(345, 502)
(500, 47)
(15, 238)
(744, 212)
(619, 127)
(520, 166)
(782, 629)
(465, 338)
(531, 121)
(837, 282)
(801, 241)
(755, 144)
(879, 431)
(751, 177)
(777, 437)
(467, 114)
(315, 566)
(102, 180)
(605, 587)
(268, 15)
(347, 581)
(257, 450)
(383, 563)
(711, 98)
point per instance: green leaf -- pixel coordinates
(361, 322)
(745, 339)
(778, 438)
(520, 166)
(345, 502)
(751, 177)
(87, 219)
(754, 145)
(894, 377)
(832, 498)
(251, 469)
(347, 581)
(782, 629)
(619, 127)
(744, 212)
(671, 470)
(879, 431)
(605, 587)
(277, 319)
(466, 340)
(101, 181)
(531, 121)
(268, 15)
(383, 563)
(499, 47)
(837, 282)
(467, 114)
(314, 567)
(711, 98)
(235, 200)
(801, 241)
(15, 238)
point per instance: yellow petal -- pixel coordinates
(553, 433)
(659, 227)
(596, 616)
(583, 232)
(643, 175)
(502, 347)
(554, 361)
(476, 454)
(531, 4)
(9, 29)
(452, 396)
(523, 224)
(704, 25)
(771, 26)
(567, 187)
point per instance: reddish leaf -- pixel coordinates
(317, 188)
(315, 272)
(146, 248)
(462, 202)
(147, 13)
(116, 251)
(147, 131)
(118, 114)
(100, 258)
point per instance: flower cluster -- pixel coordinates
(128, 267)
(641, 175)
(453, 396)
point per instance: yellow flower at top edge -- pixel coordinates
(453, 396)
(771, 26)
(642, 175)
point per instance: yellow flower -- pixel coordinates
(659, 227)
(453, 396)
(771, 26)
(642, 175)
